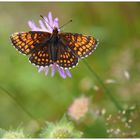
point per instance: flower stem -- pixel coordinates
(103, 85)
(19, 103)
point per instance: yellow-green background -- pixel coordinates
(116, 25)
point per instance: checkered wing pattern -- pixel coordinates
(64, 49)
(65, 57)
(80, 45)
(42, 56)
(26, 42)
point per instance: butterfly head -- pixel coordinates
(55, 31)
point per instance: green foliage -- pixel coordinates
(96, 129)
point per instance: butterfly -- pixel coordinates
(45, 49)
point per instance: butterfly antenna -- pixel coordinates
(65, 24)
(46, 21)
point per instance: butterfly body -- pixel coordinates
(54, 45)
(45, 49)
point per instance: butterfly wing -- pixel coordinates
(42, 56)
(27, 42)
(80, 45)
(65, 57)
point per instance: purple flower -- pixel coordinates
(47, 25)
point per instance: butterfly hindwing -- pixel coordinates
(65, 57)
(80, 44)
(26, 42)
(41, 56)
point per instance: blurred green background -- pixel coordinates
(116, 25)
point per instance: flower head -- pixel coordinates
(48, 25)
(79, 108)
(12, 134)
(62, 129)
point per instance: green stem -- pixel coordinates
(103, 85)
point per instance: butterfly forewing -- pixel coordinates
(79, 44)
(26, 42)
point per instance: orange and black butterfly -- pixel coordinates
(63, 49)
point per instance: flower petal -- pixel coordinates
(68, 73)
(61, 72)
(48, 25)
(40, 69)
(50, 18)
(55, 23)
(53, 70)
(32, 25)
(43, 28)
(46, 69)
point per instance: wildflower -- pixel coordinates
(79, 108)
(61, 129)
(46, 25)
(12, 134)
